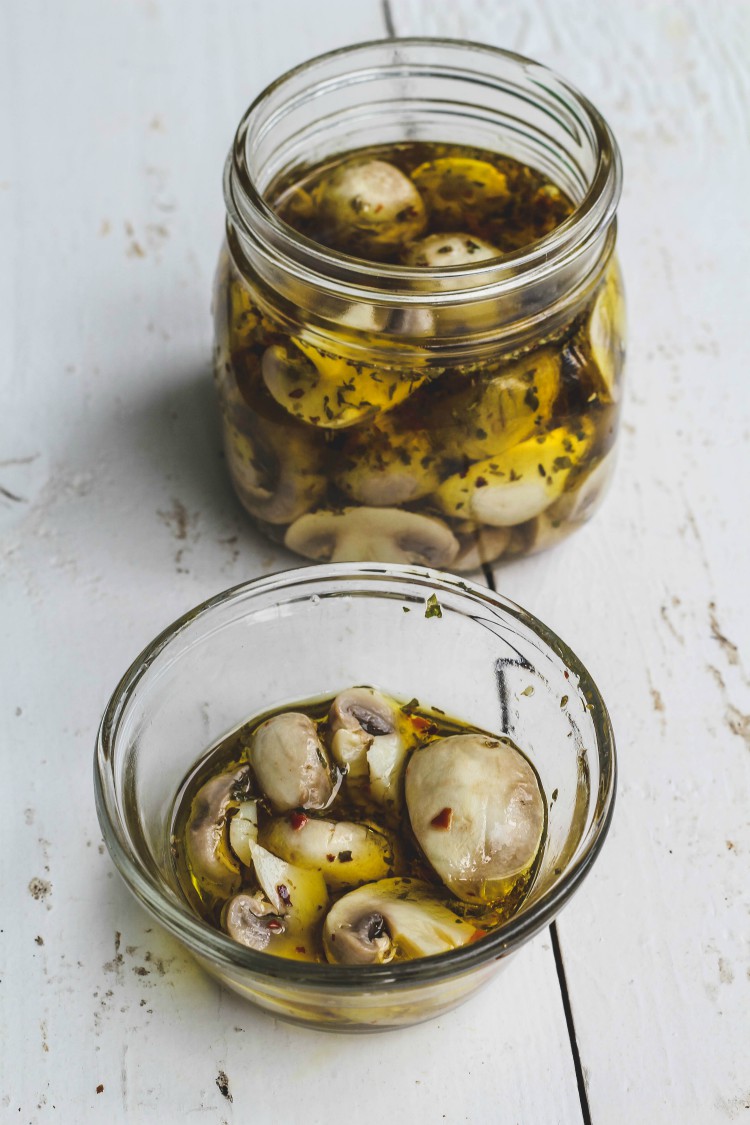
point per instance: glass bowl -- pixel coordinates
(312, 632)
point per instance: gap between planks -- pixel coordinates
(562, 981)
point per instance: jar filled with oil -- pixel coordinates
(420, 336)
(359, 830)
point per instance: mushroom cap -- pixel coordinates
(477, 811)
(276, 470)
(606, 332)
(369, 740)
(454, 186)
(575, 507)
(356, 718)
(480, 546)
(291, 764)
(368, 207)
(520, 484)
(372, 535)
(402, 918)
(450, 249)
(332, 392)
(383, 467)
(343, 852)
(213, 865)
(496, 409)
(251, 921)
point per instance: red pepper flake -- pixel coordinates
(274, 925)
(477, 936)
(444, 819)
(298, 820)
(330, 857)
(300, 949)
(423, 726)
(283, 894)
(100, 1088)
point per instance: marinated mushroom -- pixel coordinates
(372, 535)
(385, 466)
(575, 506)
(480, 546)
(213, 866)
(344, 853)
(498, 410)
(243, 831)
(478, 813)
(393, 918)
(369, 741)
(520, 484)
(454, 249)
(251, 921)
(276, 471)
(297, 893)
(357, 719)
(291, 764)
(455, 188)
(606, 332)
(332, 392)
(368, 207)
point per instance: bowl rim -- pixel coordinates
(205, 941)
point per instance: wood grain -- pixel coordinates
(653, 595)
(116, 516)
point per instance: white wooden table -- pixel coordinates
(116, 516)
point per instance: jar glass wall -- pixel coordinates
(398, 412)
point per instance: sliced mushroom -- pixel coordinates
(372, 535)
(510, 489)
(344, 853)
(576, 505)
(243, 830)
(298, 894)
(368, 207)
(477, 811)
(359, 716)
(211, 862)
(276, 470)
(454, 249)
(393, 918)
(291, 764)
(454, 186)
(251, 921)
(494, 411)
(606, 332)
(332, 392)
(384, 466)
(480, 546)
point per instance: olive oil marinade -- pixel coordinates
(321, 834)
(346, 454)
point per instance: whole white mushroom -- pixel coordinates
(369, 207)
(477, 811)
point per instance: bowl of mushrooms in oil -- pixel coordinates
(352, 791)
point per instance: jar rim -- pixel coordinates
(253, 217)
(207, 942)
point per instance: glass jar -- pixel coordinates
(395, 413)
(304, 634)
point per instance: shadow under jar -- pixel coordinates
(377, 403)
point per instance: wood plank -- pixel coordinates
(111, 215)
(653, 595)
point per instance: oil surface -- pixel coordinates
(353, 801)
